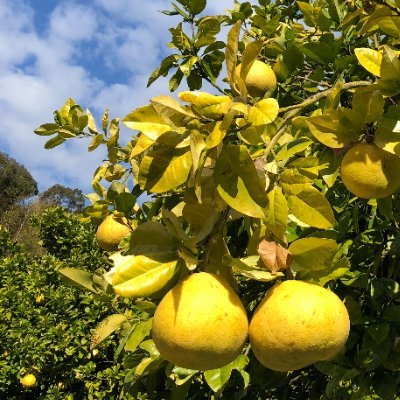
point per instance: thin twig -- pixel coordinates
(291, 111)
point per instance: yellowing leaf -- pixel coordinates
(387, 136)
(336, 129)
(106, 327)
(144, 277)
(219, 132)
(312, 253)
(145, 119)
(263, 112)
(142, 144)
(370, 59)
(207, 105)
(309, 206)
(238, 182)
(164, 169)
(171, 111)
(276, 217)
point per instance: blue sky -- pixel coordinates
(99, 52)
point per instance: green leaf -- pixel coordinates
(152, 240)
(293, 147)
(197, 6)
(47, 129)
(97, 140)
(385, 386)
(124, 202)
(218, 378)
(392, 313)
(175, 80)
(78, 278)
(370, 59)
(312, 253)
(164, 169)
(141, 331)
(248, 267)
(238, 182)
(263, 112)
(390, 25)
(53, 142)
(369, 103)
(166, 64)
(107, 327)
(311, 207)
(276, 217)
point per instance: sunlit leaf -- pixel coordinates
(370, 59)
(107, 327)
(164, 169)
(238, 182)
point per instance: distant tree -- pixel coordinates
(16, 183)
(58, 195)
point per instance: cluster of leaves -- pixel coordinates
(45, 325)
(231, 176)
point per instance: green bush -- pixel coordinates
(52, 339)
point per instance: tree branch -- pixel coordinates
(291, 111)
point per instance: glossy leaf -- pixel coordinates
(107, 327)
(164, 169)
(141, 331)
(276, 217)
(144, 277)
(312, 253)
(370, 59)
(263, 112)
(238, 182)
(78, 278)
(311, 207)
(146, 119)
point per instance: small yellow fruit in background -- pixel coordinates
(28, 380)
(39, 299)
(297, 324)
(111, 231)
(369, 172)
(200, 323)
(260, 79)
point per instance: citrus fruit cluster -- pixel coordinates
(201, 324)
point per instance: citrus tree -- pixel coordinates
(285, 168)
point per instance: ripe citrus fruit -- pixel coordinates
(297, 324)
(39, 299)
(369, 172)
(260, 79)
(28, 380)
(200, 323)
(111, 231)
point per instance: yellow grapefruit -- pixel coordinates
(260, 79)
(200, 323)
(369, 172)
(297, 324)
(111, 231)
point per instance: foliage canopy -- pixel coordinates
(233, 175)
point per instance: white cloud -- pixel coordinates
(100, 53)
